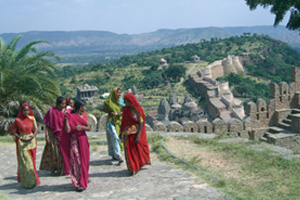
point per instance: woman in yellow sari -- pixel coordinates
(113, 106)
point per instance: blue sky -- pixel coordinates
(127, 16)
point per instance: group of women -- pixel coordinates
(67, 147)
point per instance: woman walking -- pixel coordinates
(113, 106)
(133, 131)
(80, 150)
(24, 131)
(56, 155)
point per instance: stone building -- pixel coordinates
(188, 111)
(87, 92)
(163, 64)
(195, 59)
(163, 110)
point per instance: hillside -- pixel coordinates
(77, 47)
(264, 59)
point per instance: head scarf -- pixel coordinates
(21, 115)
(127, 117)
(111, 104)
(130, 98)
(67, 100)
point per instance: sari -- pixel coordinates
(56, 154)
(137, 154)
(113, 123)
(80, 152)
(26, 151)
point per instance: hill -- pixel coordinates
(83, 47)
(264, 59)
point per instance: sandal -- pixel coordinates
(114, 158)
(121, 160)
(132, 173)
(79, 189)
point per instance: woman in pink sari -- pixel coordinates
(56, 155)
(80, 149)
(24, 131)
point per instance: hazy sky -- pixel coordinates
(126, 16)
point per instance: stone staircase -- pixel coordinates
(282, 132)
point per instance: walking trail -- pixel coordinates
(109, 181)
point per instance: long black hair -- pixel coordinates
(59, 100)
(78, 104)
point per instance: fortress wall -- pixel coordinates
(217, 71)
(282, 99)
(283, 95)
(198, 86)
(237, 64)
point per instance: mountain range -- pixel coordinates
(95, 46)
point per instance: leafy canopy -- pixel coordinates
(27, 75)
(280, 8)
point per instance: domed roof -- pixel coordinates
(176, 106)
(190, 106)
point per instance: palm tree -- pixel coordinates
(26, 75)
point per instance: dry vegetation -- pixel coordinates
(243, 172)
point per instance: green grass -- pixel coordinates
(260, 174)
(6, 138)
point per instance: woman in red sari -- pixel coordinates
(56, 155)
(24, 131)
(80, 149)
(133, 131)
(70, 104)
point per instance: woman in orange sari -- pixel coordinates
(133, 131)
(24, 131)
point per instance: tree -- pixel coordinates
(280, 8)
(26, 75)
(152, 80)
(175, 72)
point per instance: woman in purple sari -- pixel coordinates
(56, 155)
(80, 149)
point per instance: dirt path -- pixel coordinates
(109, 181)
